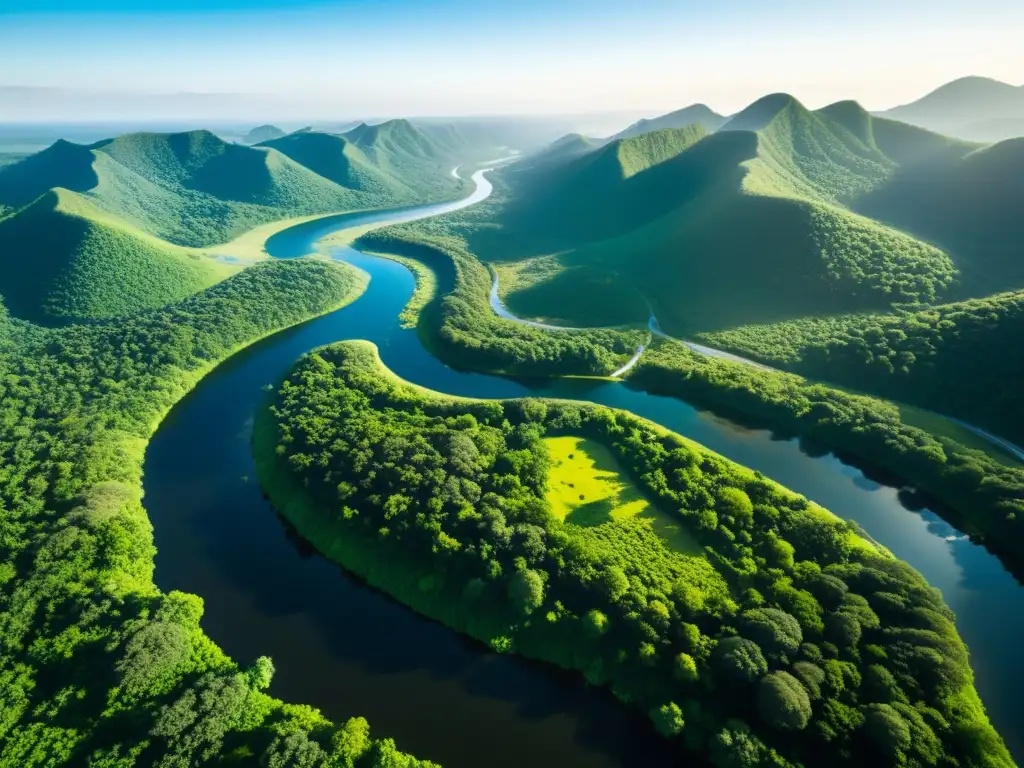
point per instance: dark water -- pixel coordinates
(348, 650)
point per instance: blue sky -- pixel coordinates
(346, 58)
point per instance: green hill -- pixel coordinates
(972, 108)
(968, 203)
(63, 259)
(339, 160)
(596, 195)
(568, 147)
(421, 159)
(99, 230)
(695, 114)
(754, 223)
(962, 359)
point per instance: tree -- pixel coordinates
(526, 591)
(739, 660)
(615, 582)
(776, 631)
(668, 719)
(685, 668)
(783, 702)
(595, 623)
(296, 750)
(350, 742)
(887, 731)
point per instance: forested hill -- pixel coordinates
(101, 230)
(961, 359)
(695, 114)
(763, 220)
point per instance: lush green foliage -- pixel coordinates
(962, 359)
(97, 231)
(985, 498)
(459, 325)
(751, 224)
(97, 667)
(62, 259)
(790, 638)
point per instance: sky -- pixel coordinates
(351, 58)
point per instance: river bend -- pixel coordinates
(349, 650)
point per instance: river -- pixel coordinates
(349, 650)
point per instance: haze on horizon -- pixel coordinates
(345, 58)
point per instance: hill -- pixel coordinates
(568, 147)
(962, 359)
(695, 114)
(758, 222)
(974, 108)
(339, 160)
(62, 259)
(262, 133)
(191, 189)
(599, 193)
(121, 212)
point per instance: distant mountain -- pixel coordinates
(568, 147)
(973, 108)
(698, 114)
(262, 133)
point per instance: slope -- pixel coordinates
(962, 359)
(958, 107)
(695, 114)
(62, 259)
(339, 160)
(401, 151)
(192, 189)
(568, 147)
(751, 224)
(595, 195)
(968, 203)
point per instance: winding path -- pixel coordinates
(655, 328)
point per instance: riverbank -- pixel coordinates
(318, 413)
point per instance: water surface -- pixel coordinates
(350, 650)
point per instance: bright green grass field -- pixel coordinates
(586, 486)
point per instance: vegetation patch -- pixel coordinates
(961, 359)
(792, 640)
(981, 495)
(97, 666)
(586, 486)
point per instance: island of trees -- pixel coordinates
(766, 631)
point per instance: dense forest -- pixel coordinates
(983, 497)
(458, 324)
(962, 359)
(778, 636)
(98, 667)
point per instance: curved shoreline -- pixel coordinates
(499, 308)
(204, 555)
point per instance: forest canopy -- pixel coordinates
(785, 638)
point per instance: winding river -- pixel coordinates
(349, 650)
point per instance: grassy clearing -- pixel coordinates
(587, 487)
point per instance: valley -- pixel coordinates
(327, 426)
